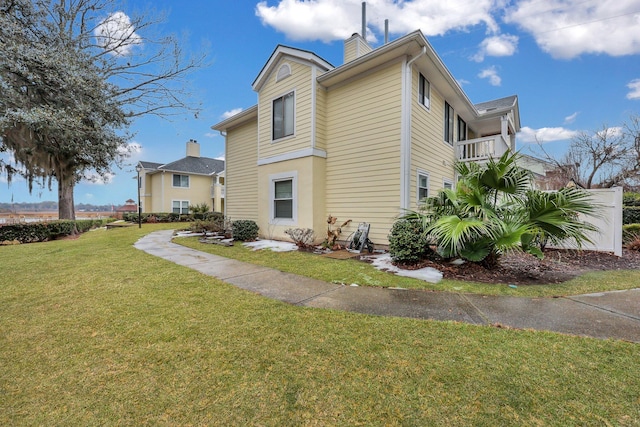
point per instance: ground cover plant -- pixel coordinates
(96, 332)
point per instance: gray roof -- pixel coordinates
(190, 165)
(496, 104)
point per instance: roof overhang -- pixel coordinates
(236, 120)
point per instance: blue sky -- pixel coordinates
(574, 64)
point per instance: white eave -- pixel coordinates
(242, 117)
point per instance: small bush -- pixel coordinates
(302, 237)
(212, 223)
(407, 242)
(631, 199)
(634, 245)
(631, 214)
(245, 230)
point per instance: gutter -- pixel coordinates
(405, 137)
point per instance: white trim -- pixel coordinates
(313, 106)
(181, 201)
(281, 75)
(446, 181)
(405, 137)
(173, 175)
(315, 152)
(422, 172)
(283, 176)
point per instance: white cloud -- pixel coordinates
(210, 135)
(501, 45)
(129, 150)
(571, 118)
(329, 20)
(634, 86)
(545, 134)
(116, 34)
(569, 28)
(231, 113)
(491, 73)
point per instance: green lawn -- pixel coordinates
(95, 332)
(353, 271)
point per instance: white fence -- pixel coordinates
(608, 221)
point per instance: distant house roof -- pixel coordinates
(189, 165)
(497, 104)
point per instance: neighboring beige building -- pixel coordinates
(363, 141)
(192, 180)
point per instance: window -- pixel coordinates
(283, 191)
(424, 95)
(447, 184)
(448, 123)
(462, 130)
(180, 206)
(283, 199)
(283, 116)
(423, 185)
(181, 180)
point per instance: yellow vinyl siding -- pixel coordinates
(363, 151)
(299, 82)
(429, 152)
(321, 118)
(241, 174)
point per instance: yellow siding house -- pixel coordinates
(362, 141)
(192, 180)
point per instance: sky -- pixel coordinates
(574, 64)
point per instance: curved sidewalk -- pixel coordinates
(601, 315)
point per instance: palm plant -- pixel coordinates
(493, 210)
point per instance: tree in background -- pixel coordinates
(73, 77)
(605, 158)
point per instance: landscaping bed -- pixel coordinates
(558, 265)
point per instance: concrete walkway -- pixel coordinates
(600, 315)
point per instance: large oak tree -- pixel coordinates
(73, 76)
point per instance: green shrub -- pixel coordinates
(631, 214)
(245, 230)
(43, 231)
(407, 243)
(631, 199)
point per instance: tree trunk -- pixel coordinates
(66, 209)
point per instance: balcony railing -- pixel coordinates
(480, 149)
(213, 191)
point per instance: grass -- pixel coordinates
(353, 271)
(95, 332)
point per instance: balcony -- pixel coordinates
(481, 149)
(217, 190)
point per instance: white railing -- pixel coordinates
(479, 149)
(213, 191)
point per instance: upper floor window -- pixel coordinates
(180, 180)
(462, 130)
(448, 123)
(424, 92)
(283, 116)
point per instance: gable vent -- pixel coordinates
(283, 72)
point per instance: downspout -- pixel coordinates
(224, 209)
(405, 137)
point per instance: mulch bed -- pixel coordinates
(558, 265)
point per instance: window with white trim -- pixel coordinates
(447, 184)
(181, 181)
(423, 185)
(424, 91)
(283, 116)
(283, 198)
(180, 206)
(448, 123)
